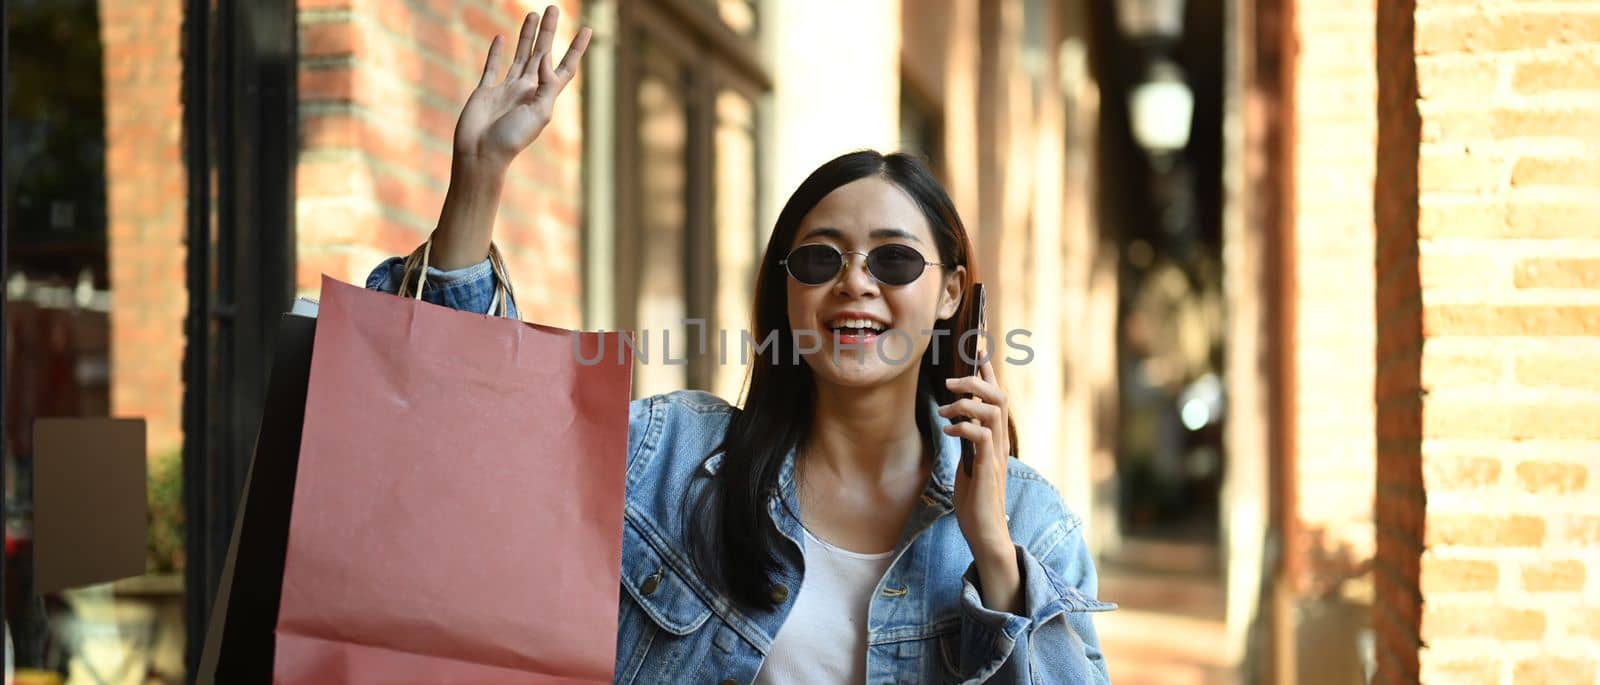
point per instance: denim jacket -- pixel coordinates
(927, 622)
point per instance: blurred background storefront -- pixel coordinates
(1269, 349)
(149, 165)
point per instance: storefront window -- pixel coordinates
(688, 129)
(663, 186)
(95, 304)
(737, 244)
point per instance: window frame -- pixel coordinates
(714, 59)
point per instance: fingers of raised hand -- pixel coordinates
(574, 54)
(546, 38)
(552, 80)
(549, 83)
(525, 39)
(491, 64)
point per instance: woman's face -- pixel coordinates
(828, 318)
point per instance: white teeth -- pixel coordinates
(856, 323)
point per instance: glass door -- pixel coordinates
(95, 301)
(147, 252)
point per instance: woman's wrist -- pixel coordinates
(478, 165)
(466, 222)
(1000, 581)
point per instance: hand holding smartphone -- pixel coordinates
(967, 357)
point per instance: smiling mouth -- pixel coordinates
(854, 336)
(856, 327)
(854, 331)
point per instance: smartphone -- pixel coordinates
(967, 356)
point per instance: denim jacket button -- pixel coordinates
(780, 594)
(651, 583)
(730, 681)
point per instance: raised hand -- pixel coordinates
(504, 114)
(508, 110)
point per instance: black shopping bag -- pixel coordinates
(239, 642)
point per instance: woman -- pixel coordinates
(808, 537)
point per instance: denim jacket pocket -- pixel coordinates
(658, 587)
(663, 622)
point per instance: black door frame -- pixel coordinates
(240, 143)
(5, 230)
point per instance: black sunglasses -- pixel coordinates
(892, 264)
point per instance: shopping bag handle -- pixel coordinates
(417, 262)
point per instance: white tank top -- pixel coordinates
(824, 639)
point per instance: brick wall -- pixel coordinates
(1333, 141)
(1489, 312)
(381, 85)
(145, 208)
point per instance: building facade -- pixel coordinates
(1311, 286)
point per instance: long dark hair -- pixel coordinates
(736, 548)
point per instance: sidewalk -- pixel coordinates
(1169, 628)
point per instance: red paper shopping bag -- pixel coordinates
(457, 513)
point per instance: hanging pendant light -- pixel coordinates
(1161, 108)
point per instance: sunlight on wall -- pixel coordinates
(830, 95)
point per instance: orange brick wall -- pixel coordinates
(1489, 315)
(1334, 139)
(381, 85)
(145, 208)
